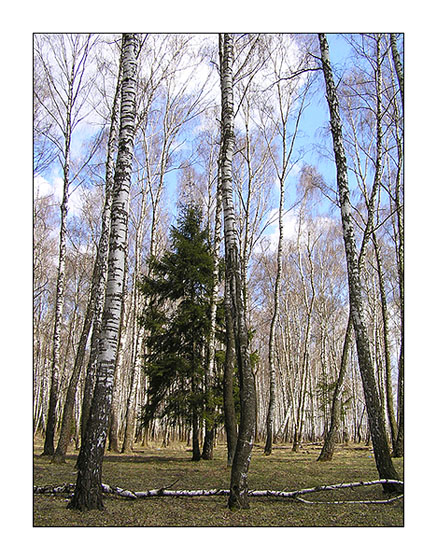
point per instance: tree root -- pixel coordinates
(68, 488)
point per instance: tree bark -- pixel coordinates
(88, 491)
(101, 259)
(238, 497)
(228, 381)
(377, 428)
(114, 421)
(398, 64)
(196, 437)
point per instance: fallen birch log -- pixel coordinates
(68, 488)
(297, 493)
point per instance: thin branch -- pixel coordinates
(293, 75)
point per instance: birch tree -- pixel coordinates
(374, 410)
(286, 96)
(44, 284)
(207, 452)
(88, 490)
(95, 302)
(369, 99)
(169, 100)
(63, 61)
(238, 497)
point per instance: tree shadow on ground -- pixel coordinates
(145, 459)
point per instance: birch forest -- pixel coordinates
(218, 249)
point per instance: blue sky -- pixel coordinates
(313, 121)
(316, 117)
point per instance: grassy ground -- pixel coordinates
(152, 467)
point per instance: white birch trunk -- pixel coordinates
(88, 487)
(273, 326)
(207, 452)
(49, 448)
(238, 497)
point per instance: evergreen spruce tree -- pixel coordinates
(177, 323)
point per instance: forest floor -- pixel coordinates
(154, 467)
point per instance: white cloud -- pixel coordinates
(293, 225)
(290, 227)
(42, 188)
(54, 189)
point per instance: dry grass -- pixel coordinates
(153, 467)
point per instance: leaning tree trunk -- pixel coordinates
(238, 497)
(398, 450)
(88, 491)
(67, 416)
(115, 414)
(376, 421)
(398, 64)
(369, 231)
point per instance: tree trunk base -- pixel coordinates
(324, 458)
(85, 503)
(393, 488)
(208, 445)
(269, 443)
(238, 500)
